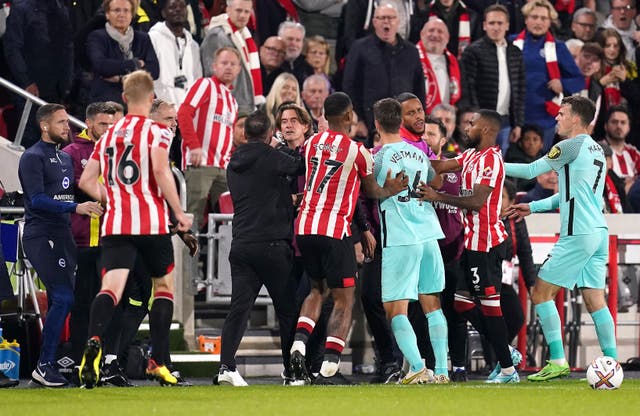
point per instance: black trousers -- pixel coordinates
(252, 266)
(87, 285)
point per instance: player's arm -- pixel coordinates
(164, 179)
(392, 185)
(527, 170)
(445, 166)
(520, 211)
(89, 182)
(472, 202)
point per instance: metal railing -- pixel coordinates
(24, 118)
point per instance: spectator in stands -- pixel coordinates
(546, 186)
(442, 78)
(493, 75)
(381, 65)
(117, 50)
(446, 113)
(269, 14)
(583, 24)
(321, 17)
(574, 46)
(463, 24)
(314, 91)
(230, 30)
(614, 193)
(285, 89)
(206, 119)
(39, 53)
(625, 157)
(623, 13)
(317, 53)
(294, 62)
(86, 230)
(634, 196)
(549, 75)
(261, 252)
(178, 54)
(238, 130)
(272, 54)
(619, 78)
(514, 7)
(527, 149)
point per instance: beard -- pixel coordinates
(58, 139)
(472, 142)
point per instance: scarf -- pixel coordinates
(464, 28)
(431, 83)
(552, 106)
(124, 41)
(290, 8)
(611, 92)
(568, 6)
(243, 40)
(611, 194)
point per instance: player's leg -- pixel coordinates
(406, 339)
(199, 180)
(430, 284)
(592, 283)
(456, 323)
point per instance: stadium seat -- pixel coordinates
(225, 204)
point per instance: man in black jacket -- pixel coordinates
(493, 75)
(261, 251)
(381, 65)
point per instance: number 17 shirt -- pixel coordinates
(135, 205)
(335, 165)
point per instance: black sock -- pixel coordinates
(102, 309)
(159, 323)
(497, 336)
(474, 316)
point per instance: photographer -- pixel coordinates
(261, 252)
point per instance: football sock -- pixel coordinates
(304, 328)
(605, 329)
(407, 342)
(329, 368)
(550, 322)
(438, 336)
(496, 329)
(159, 324)
(102, 309)
(333, 349)
(466, 307)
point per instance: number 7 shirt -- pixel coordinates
(135, 205)
(335, 165)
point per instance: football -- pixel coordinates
(604, 373)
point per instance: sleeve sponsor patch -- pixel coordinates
(554, 153)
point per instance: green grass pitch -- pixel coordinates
(556, 398)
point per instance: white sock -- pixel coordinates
(559, 361)
(300, 347)
(507, 371)
(109, 358)
(329, 368)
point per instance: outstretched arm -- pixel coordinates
(473, 202)
(527, 170)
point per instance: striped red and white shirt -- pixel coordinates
(135, 205)
(335, 164)
(206, 120)
(483, 229)
(627, 163)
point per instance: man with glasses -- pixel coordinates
(583, 25)
(272, 53)
(622, 19)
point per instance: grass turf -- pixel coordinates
(556, 398)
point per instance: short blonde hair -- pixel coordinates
(527, 8)
(137, 86)
(134, 6)
(321, 42)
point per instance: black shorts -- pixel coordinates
(329, 258)
(121, 251)
(482, 271)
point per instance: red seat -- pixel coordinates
(225, 204)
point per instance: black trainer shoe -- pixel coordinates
(114, 375)
(387, 372)
(181, 381)
(459, 375)
(6, 381)
(47, 374)
(90, 364)
(335, 380)
(299, 368)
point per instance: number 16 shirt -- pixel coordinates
(135, 205)
(335, 165)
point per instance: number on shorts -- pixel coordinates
(476, 276)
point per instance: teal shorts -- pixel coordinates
(411, 270)
(578, 260)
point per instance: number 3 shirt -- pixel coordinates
(135, 205)
(404, 219)
(335, 164)
(581, 168)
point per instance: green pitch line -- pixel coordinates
(557, 398)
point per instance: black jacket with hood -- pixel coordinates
(257, 179)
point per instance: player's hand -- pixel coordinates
(184, 221)
(195, 156)
(518, 211)
(368, 244)
(427, 193)
(191, 242)
(91, 208)
(514, 136)
(397, 184)
(555, 85)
